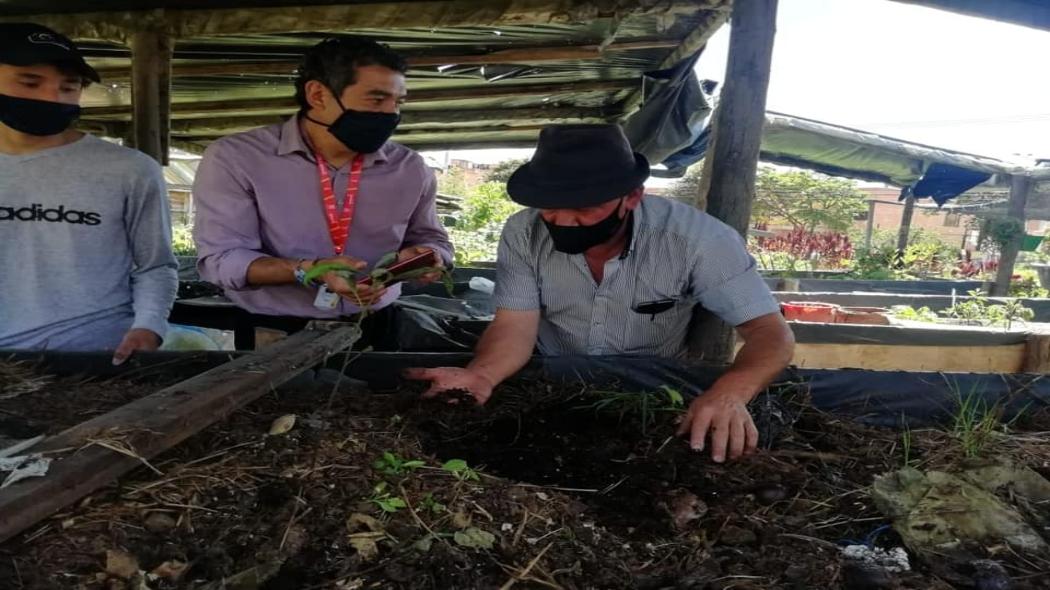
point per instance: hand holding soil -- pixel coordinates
(723, 416)
(453, 379)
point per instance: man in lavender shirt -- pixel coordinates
(261, 219)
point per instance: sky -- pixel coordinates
(914, 73)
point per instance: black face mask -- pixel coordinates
(577, 239)
(362, 131)
(37, 117)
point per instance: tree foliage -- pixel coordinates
(806, 201)
(501, 172)
(803, 200)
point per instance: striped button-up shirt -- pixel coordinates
(677, 257)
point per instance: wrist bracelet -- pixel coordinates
(300, 273)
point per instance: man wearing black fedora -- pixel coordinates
(595, 267)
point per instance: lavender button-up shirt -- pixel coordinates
(259, 194)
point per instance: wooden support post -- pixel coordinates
(1037, 354)
(869, 229)
(1020, 187)
(158, 422)
(906, 216)
(732, 160)
(151, 53)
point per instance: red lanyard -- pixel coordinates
(339, 224)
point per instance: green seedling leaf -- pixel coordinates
(475, 538)
(386, 260)
(455, 465)
(674, 396)
(319, 270)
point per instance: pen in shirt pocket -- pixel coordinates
(651, 308)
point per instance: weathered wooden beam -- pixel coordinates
(151, 92)
(1037, 354)
(1020, 188)
(869, 227)
(493, 132)
(410, 120)
(207, 22)
(198, 146)
(287, 67)
(288, 104)
(158, 422)
(732, 160)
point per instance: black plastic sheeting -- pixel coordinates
(880, 398)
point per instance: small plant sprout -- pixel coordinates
(975, 422)
(906, 445)
(382, 498)
(380, 275)
(646, 405)
(460, 469)
(428, 503)
(391, 464)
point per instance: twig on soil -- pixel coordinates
(188, 507)
(521, 527)
(556, 488)
(828, 544)
(419, 521)
(528, 568)
(482, 511)
(18, 573)
(220, 453)
(123, 449)
(664, 444)
(609, 488)
(291, 521)
(826, 457)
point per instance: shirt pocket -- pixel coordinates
(659, 315)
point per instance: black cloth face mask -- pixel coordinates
(363, 132)
(37, 117)
(577, 239)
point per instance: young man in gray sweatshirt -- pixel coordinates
(85, 236)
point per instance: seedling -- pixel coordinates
(906, 445)
(975, 423)
(391, 464)
(907, 312)
(428, 503)
(387, 503)
(460, 469)
(381, 275)
(646, 405)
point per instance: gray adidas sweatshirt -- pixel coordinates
(85, 247)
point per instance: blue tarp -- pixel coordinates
(943, 182)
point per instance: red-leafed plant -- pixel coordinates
(823, 249)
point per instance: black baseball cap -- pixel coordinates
(27, 44)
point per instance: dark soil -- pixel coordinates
(559, 495)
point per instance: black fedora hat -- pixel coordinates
(578, 166)
(29, 44)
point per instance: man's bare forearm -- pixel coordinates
(272, 271)
(768, 348)
(506, 345)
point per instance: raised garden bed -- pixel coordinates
(566, 495)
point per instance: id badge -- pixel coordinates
(325, 299)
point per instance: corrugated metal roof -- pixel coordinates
(483, 73)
